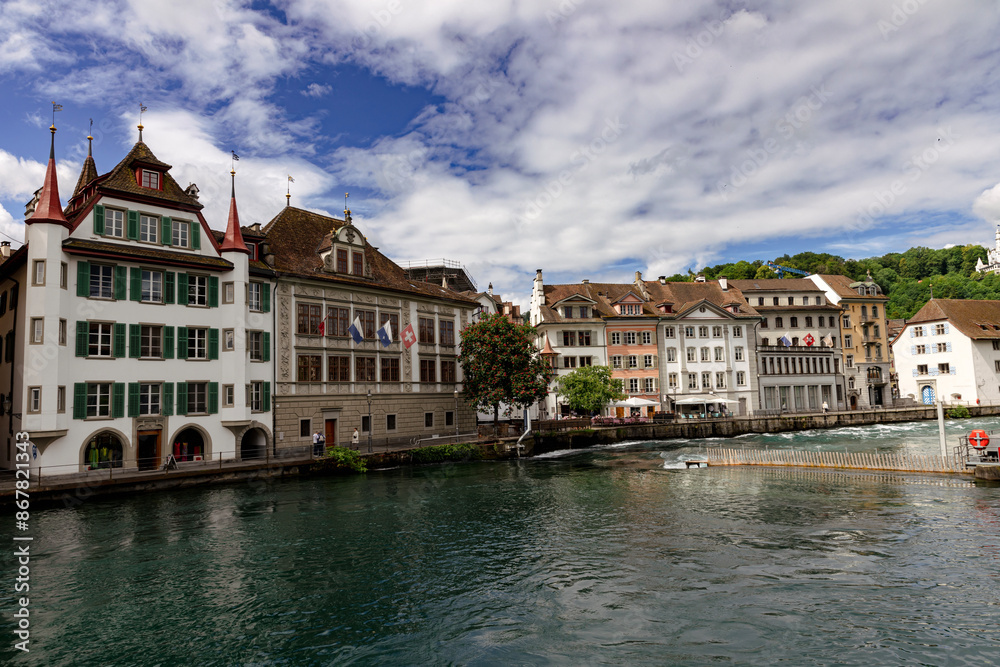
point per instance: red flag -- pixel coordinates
(322, 328)
(409, 338)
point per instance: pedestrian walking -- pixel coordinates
(355, 438)
(826, 407)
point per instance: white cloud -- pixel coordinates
(317, 90)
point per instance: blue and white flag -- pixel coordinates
(355, 330)
(784, 341)
(385, 334)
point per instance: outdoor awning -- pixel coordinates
(703, 400)
(635, 402)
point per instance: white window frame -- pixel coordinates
(149, 228)
(114, 223)
(150, 396)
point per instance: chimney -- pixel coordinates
(538, 274)
(586, 281)
(638, 276)
(490, 290)
(5, 249)
(724, 283)
(663, 280)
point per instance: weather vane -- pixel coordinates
(141, 109)
(236, 158)
(346, 195)
(55, 108)
(288, 190)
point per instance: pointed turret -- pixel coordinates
(48, 208)
(89, 171)
(233, 241)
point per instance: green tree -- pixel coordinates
(590, 388)
(764, 272)
(502, 365)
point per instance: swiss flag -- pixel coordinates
(409, 338)
(809, 340)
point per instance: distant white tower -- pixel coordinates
(993, 256)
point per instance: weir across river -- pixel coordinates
(900, 462)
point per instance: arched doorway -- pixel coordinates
(253, 445)
(104, 450)
(927, 395)
(188, 445)
(854, 402)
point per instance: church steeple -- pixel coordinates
(89, 171)
(233, 241)
(48, 208)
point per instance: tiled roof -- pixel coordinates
(140, 253)
(775, 285)
(87, 174)
(685, 295)
(975, 318)
(842, 286)
(122, 178)
(295, 235)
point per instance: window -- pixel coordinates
(256, 398)
(255, 299)
(874, 312)
(38, 275)
(338, 369)
(149, 398)
(308, 319)
(846, 321)
(568, 312)
(338, 320)
(650, 385)
(737, 332)
(848, 341)
(633, 385)
(668, 332)
(255, 345)
(720, 380)
(149, 227)
(794, 322)
(763, 323)
(647, 338)
(341, 260)
(34, 399)
(358, 263)
(584, 361)
(180, 231)
(310, 368)
(765, 342)
(702, 332)
(229, 395)
(449, 418)
(738, 354)
(569, 362)
(150, 342)
(616, 338)
(671, 354)
(692, 380)
(197, 398)
(152, 286)
(390, 422)
(99, 399)
(921, 349)
(809, 321)
(760, 301)
(778, 323)
(849, 361)
(228, 340)
(706, 380)
(569, 338)
(60, 399)
(672, 380)
(114, 222)
(390, 369)
(939, 330)
(448, 370)
(774, 301)
(150, 179)
(922, 369)
(689, 332)
(876, 332)
(62, 332)
(719, 354)
(101, 281)
(99, 344)
(364, 369)
(630, 338)
(616, 361)
(805, 301)
(706, 354)
(393, 320)
(630, 309)
(428, 420)
(944, 369)
(633, 361)
(996, 345)
(584, 338)
(228, 292)
(37, 330)
(425, 333)
(447, 332)
(428, 371)
(791, 301)
(649, 361)
(584, 312)
(716, 332)
(918, 332)
(692, 354)
(741, 378)
(197, 290)
(197, 339)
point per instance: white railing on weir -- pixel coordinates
(905, 462)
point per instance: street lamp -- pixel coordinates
(456, 412)
(369, 421)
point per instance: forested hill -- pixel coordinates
(905, 277)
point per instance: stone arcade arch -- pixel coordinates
(254, 443)
(105, 448)
(189, 443)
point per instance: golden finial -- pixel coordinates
(142, 108)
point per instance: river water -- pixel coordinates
(615, 555)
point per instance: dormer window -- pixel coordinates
(358, 263)
(666, 307)
(630, 309)
(149, 179)
(341, 260)
(567, 311)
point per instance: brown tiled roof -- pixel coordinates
(776, 285)
(791, 309)
(87, 174)
(602, 294)
(140, 253)
(975, 318)
(295, 235)
(842, 286)
(685, 295)
(122, 179)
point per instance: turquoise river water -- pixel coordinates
(617, 555)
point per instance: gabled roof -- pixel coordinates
(976, 319)
(295, 234)
(684, 296)
(845, 288)
(776, 285)
(628, 296)
(121, 179)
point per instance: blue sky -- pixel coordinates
(589, 138)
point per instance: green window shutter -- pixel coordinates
(83, 279)
(182, 398)
(168, 287)
(267, 345)
(213, 343)
(213, 397)
(168, 342)
(167, 407)
(133, 399)
(182, 289)
(118, 400)
(119, 340)
(133, 225)
(166, 230)
(267, 397)
(121, 283)
(213, 292)
(80, 400)
(265, 297)
(82, 338)
(195, 235)
(182, 344)
(99, 220)
(135, 288)
(133, 340)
